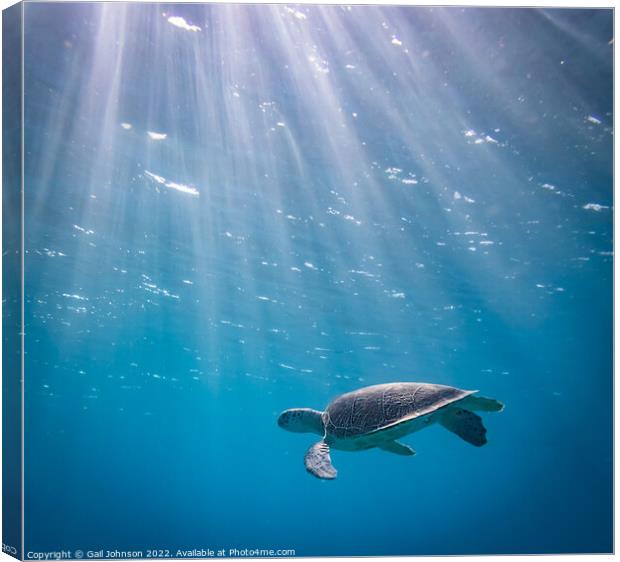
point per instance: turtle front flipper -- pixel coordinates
(319, 463)
(397, 448)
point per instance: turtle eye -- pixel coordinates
(284, 419)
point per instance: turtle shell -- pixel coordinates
(377, 407)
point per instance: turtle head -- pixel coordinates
(302, 420)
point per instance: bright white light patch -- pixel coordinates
(158, 179)
(173, 185)
(180, 22)
(126, 126)
(299, 15)
(84, 230)
(396, 41)
(594, 120)
(319, 64)
(595, 207)
(183, 188)
(157, 136)
(76, 297)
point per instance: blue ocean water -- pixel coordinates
(236, 209)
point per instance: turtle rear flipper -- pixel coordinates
(467, 425)
(397, 448)
(482, 404)
(319, 463)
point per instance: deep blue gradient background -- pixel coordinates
(166, 331)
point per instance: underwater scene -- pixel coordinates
(236, 210)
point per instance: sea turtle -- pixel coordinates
(376, 416)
